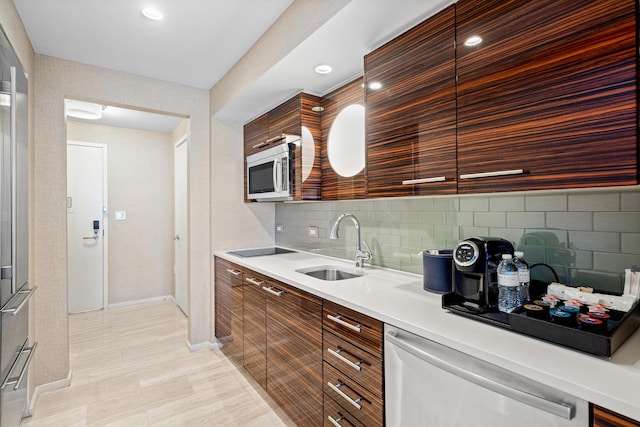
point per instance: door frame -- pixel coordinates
(105, 218)
(184, 139)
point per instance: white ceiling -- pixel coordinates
(113, 34)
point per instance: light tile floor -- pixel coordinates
(131, 367)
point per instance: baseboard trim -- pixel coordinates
(44, 388)
(142, 301)
(200, 346)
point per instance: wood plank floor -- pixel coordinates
(131, 367)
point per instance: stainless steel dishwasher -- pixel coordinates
(428, 384)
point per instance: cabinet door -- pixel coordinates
(285, 118)
(605, 418)
(256, 133)
(229, 308)
(411, 116)
(334, 185)
(294, 353)
(255, 334)
(547, 99)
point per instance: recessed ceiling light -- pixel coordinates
(323, 69)
(152, 13)
(375, 85)
(473, 41)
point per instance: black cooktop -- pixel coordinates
(260, 252)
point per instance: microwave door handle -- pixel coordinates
(277, 175)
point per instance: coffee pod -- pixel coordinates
(546, 306)
(535, 311)
(595, 326)
(572, 310)
(604, 317)
(561, 318)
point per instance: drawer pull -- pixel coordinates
(271, 291)
(276, 138)
(491, 174)
(336, 388)
(234, 272)
(338, 421)
(262, 144)
(337, 354)
(338, 320)
(254, 281)
(424, 180)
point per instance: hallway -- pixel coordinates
(131, 367)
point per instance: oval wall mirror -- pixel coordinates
(346, 142)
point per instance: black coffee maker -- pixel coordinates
(475, 276)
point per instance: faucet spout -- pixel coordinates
(360, 256)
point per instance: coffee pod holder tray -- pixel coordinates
(619, 327)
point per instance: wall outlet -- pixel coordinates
(312, 232)
(279, 228)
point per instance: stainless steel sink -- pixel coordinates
(330, 272)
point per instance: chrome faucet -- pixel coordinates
(360, 256)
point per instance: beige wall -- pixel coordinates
(140, 182)
(54, 80)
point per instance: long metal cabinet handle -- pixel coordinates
(234, 272)
(275, 138)
(253, 281)
(262, 144)
(561, 409)
(17, 381)
(492, 174)
(337, 354)
(14, 178)
(31, 350)
(271, 291)
(336, 388)
(338, 320)
(15, 311)
(424, 180)
(337, 422)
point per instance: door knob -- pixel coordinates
(177, 237)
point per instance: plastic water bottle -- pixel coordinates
(524, 276)
(508, 285)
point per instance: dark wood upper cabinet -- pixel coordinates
(293, 117)
(294, 352)
(411, 117)
(335, 186)
(548, 98)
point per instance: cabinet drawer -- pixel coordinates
(359, 365)
(334, 415)
(352, 397)
(355, 327)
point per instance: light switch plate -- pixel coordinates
(313, 232)
(279, 228)
(121, 215)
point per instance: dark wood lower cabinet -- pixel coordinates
(604, 418)
(294, 353)
(255, 333)
(229, 311)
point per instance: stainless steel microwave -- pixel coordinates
(270, 172)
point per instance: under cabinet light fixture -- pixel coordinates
(375, 85)
(323, 69)
(151, 13)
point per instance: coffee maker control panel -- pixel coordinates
(466, 253)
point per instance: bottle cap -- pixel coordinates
(518, 254)
(506, 256)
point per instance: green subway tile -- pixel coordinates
(594, 202)
(570, 220)
(556, 202)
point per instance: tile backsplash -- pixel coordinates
(588, 236)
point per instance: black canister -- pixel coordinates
(436, 270)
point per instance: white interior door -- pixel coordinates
(86, 226)
(180, 221)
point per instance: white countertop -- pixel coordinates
(398, 298)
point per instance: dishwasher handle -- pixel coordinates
(561, 409)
